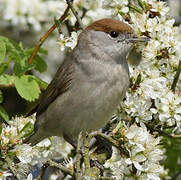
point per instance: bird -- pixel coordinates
(89, 84)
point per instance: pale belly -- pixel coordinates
(87, 107)
(84, 111)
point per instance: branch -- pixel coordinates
(75, 13)
(176, 135)
(163, 133)
(45, 36)
(59, 166)
(176, 78)
(108, 138)
(43, 169)
(78, 157)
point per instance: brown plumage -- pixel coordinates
(107, 25)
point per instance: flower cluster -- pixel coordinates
(13, 133)
(143, 159)
(117, 6)
(12, 136)
(152, 98)
(149, 98)
(21, 13)
(68, 41)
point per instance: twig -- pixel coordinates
(163, 133)
(42, 172)
(106, 178)
(12, 168)
(176, 77)
(45, 36)
(59, 166)
(176, 135)
(176, 176)
(75, 13)
(6, 86)
(86, 152)
(108, 138)
(78, 157)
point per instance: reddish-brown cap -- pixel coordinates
(107, 25)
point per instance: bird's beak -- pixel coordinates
(135, 39)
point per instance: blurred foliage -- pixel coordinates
(15, 72)
(173, 153)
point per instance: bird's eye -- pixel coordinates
(114, 34)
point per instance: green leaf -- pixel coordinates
(6, 79)
(2, 50)
(57, 22)
(3, 67)
(18, 69)
(40, 63)
(43, 51)
(27, 130)
(1, 128)
(1, 97)
(141, 3)
(138, 79)
(4, 114)
(29, 51)
(15, 52)
(41, 83)
(173, 155)
(27, 87)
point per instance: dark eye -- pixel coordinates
(114, 34)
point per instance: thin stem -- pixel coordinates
(45, 36)
(108, 138)
(59, 166)
(176, 78)
(86, 152)
(75, 13)
(43, 169)
(78, 157)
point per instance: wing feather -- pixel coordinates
(59, 84)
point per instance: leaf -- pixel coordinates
(4, 114)
(1, 128)
(138, 79)
(40, 63)
(27, 87)
(29, 51)
(57, 22)
(15, 52)
(41, 83)
(173, 149)
(43, 51)
(3, 67)
(18, 69)
(1, 97)
(6, 79)
(2, 50)
(27, 130)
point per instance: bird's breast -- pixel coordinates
(94, 94)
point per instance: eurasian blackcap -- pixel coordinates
(89, 84)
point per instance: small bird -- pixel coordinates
(89, 84)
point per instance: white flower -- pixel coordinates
(68, 41)
(117, 6)
(4, 175)
(22, 13)
(72, 40)
(24, 153)
(144, 154)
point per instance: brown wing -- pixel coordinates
(58, 85)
